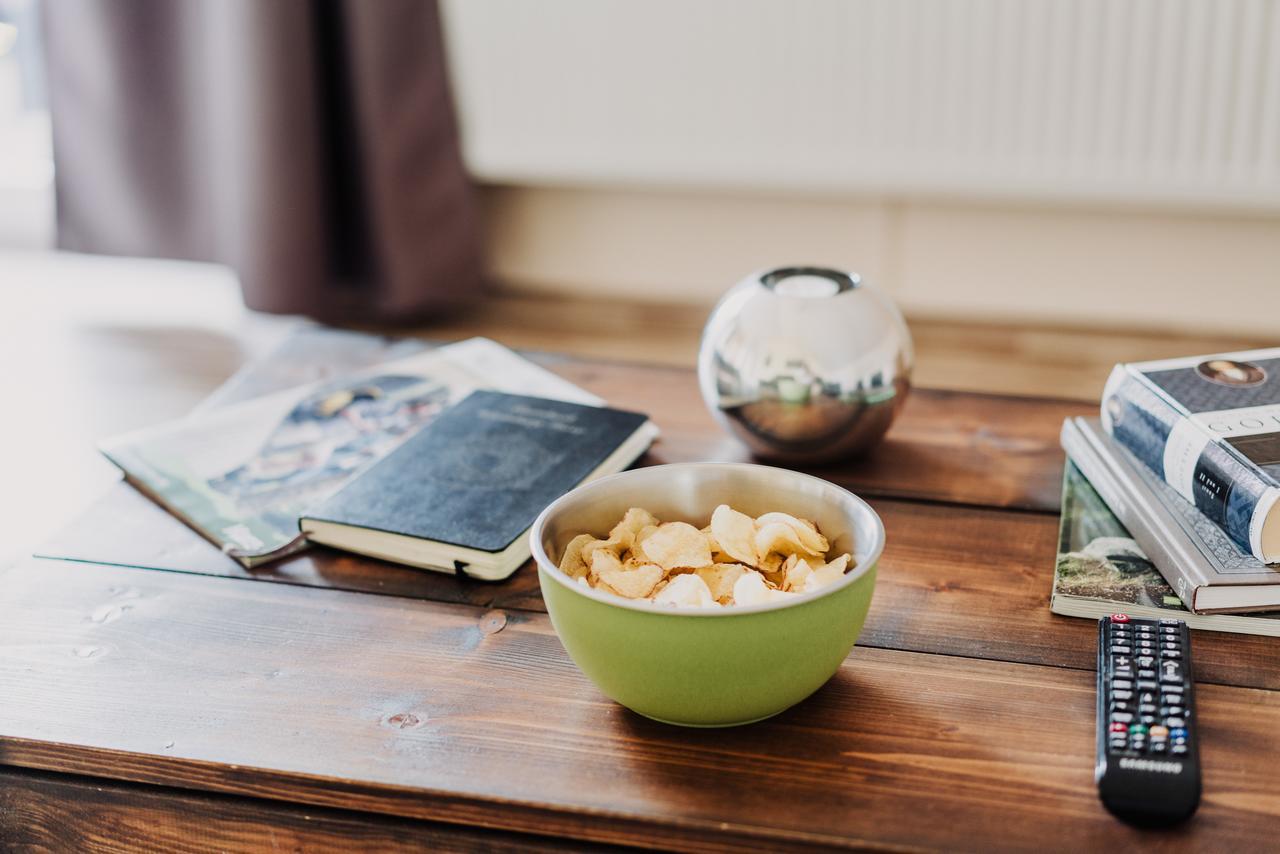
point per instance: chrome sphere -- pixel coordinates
(805, 364)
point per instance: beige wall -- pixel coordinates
(1076, 266)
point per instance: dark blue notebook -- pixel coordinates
(478, 476)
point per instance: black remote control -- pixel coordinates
(1148, 769)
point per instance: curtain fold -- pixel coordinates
(309, 144)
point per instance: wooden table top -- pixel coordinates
(334, 702)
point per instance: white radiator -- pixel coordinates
(1169, 102)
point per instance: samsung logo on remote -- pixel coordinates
(1151, 765)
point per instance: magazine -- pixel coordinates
(242, 474)
(1101, 570)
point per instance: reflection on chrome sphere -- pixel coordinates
(805, 364)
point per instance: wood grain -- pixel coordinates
(117, 817)
(953, 580)
(414, 709)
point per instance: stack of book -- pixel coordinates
(1171, 498)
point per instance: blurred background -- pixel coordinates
(591, 175)
(1111, 163)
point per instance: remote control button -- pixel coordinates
(1121, 685)
(1171, 647)
(1120, 718)
(1146, 661)
(1119, 618)
(1147, 685)
(1175, 722)
(1173, 711)
(1125, 672)
(1159, 746)
(1121, 706)
(1159, 733)
(1178, 750)
(1116, 649)
(1138, 729)
(1147, 697)
(1176, 733)
(1171, 630)
(1147, 719)
(1171, 622)
(1170, 671)
(1171, 654)
(1146, 674)
(1122, 695)
(1146, 709)
(1117, 726)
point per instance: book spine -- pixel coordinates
(1232, 495)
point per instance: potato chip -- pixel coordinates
(807, 533)
(623, 535)
(734, 560)
(827, 574)
(735, 534)
(637, 547)
(573, 564)
(781, 538)
(771, 563)
(686, 591)
(633, 522)
(631, 583)
(603, 560)
(796, 574)
(720, 578)
(677, 544)
(751, 589)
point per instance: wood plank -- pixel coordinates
(422, 710)
(115, 817)
(953, 580)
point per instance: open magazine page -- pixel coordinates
(242, 474)
(309, 353)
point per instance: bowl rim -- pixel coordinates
(545, 564)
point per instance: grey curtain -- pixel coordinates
(310, 144)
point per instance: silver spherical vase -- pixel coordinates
(805, 364)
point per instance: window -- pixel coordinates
(26, 152)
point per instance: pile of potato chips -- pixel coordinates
(736, 560)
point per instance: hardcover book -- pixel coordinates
(242, 474)
(1210, 427)
(1102, 570)
(462, 494)
(1208, 571)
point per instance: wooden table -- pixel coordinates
(332, 702)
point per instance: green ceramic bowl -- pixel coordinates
(708, 666)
